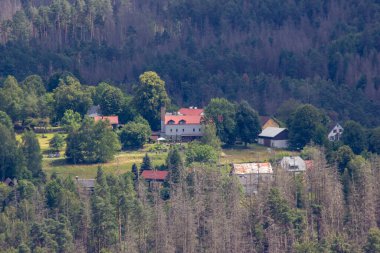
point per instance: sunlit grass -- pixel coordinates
(124, 160)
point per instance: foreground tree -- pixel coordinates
(222, 113)
(307, 125)
(373, 241)
(71, 120)
(150, 96)
(11, 98)
(93, 142)
(200, 153)
(146, 163)
(110, 99)
(354, 136)
(57, 142)
(32, 153)
(12, 162)
(70, 94)
(175, 165)
(209, 136)
(135, 134)
(247, 123)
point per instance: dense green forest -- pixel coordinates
(265, 51)
(200, 210)
(308, 63)
(332, 207)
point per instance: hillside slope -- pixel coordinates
(264, 51)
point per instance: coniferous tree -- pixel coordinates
(135, 171)
(104, 227)
(146, 164)
(175, 165)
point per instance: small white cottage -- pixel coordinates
(335, 133)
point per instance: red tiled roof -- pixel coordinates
(114, 120)
(189, 119)
(190, 112)
(154, 174)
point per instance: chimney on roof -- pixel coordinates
(195, 107)
(191, 107)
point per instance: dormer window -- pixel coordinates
(171, 122)
(182, 122)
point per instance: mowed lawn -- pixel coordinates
(124, 160)
(252, 153)
(121, 164)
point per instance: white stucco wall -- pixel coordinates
(274, 143)
(279, 143)
(187, 130)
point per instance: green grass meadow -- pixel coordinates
(124, 160)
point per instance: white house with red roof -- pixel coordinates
(184, 125)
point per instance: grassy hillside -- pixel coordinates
(124, 160)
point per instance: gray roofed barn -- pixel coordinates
(275, 137)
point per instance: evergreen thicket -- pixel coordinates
(323, 210)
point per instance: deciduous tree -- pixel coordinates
(134, 135)
(32, 153)
(247, 123)
(354, 136)
(306, 125)
(222, 113)
(150, 96)
(93, 142)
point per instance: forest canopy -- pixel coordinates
(264, 51)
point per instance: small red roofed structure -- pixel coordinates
(157, 175)
(113, 120)
(154, 177)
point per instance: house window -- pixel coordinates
(182, 122)
(176, 130)
(199, 129)
(193, 129)
(171, 130)
(183, 130)
(171, 122)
